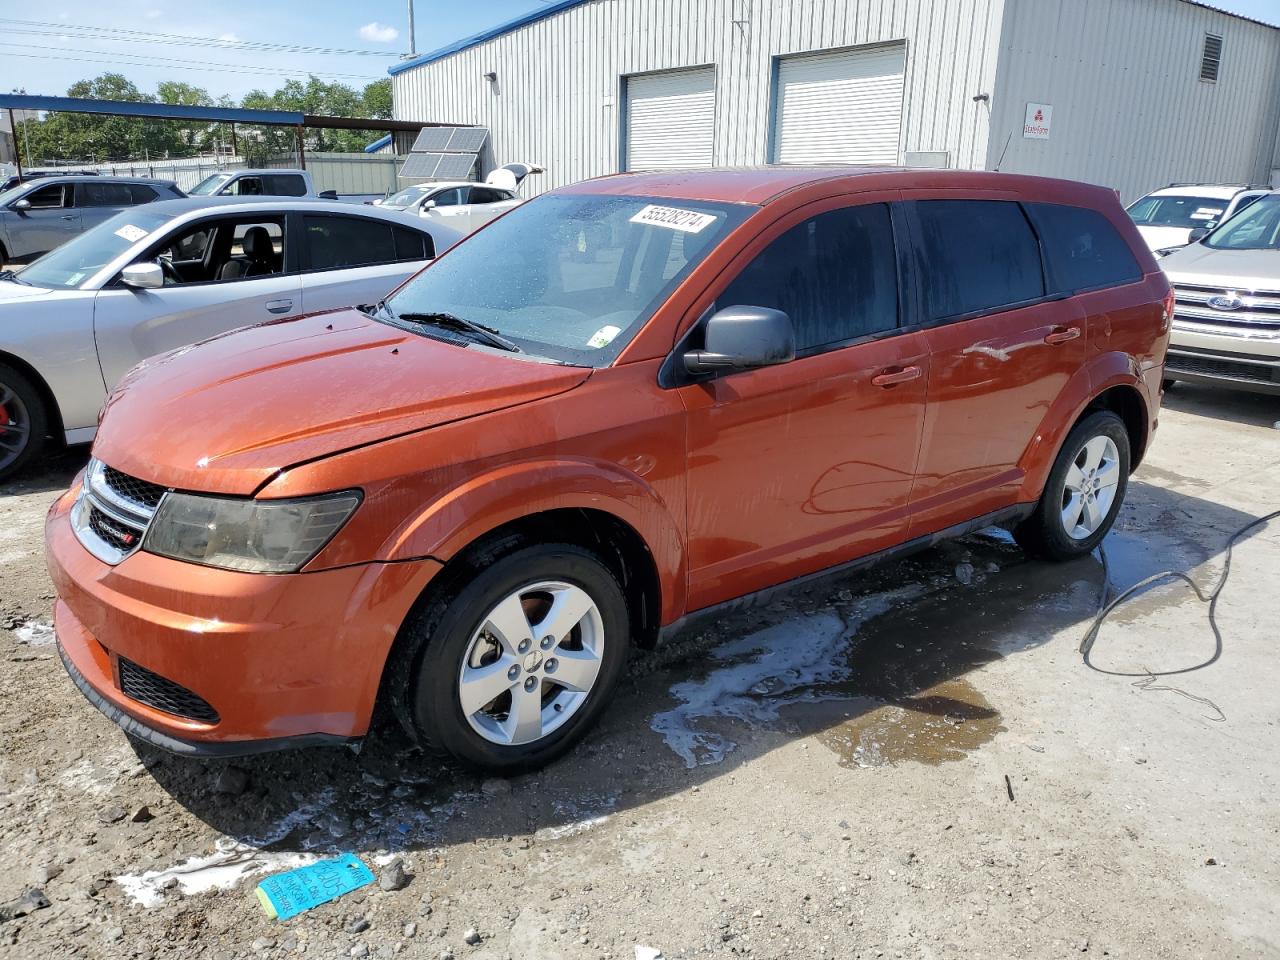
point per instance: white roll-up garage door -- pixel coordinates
(671, 119)
(841, 107)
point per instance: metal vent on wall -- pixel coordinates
(1211, 57)
(444, 153)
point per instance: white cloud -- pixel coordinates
(378, 33)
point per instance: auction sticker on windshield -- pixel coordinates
(673, 218)
(131, 233)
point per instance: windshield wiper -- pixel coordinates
(454, 322)
(11, 275)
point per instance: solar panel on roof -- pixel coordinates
(450, 140)
(467, 140)
(432, 139)
(420, 166)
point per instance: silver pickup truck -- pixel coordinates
(270, 182)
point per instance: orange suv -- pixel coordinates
(626, 404)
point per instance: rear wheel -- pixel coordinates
(515, 666)
(23, 422)
(1083, 493)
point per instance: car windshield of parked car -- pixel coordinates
(406, 197)
(13, 193)
(1177, 211)
(69, 265)
(572, 278)
(1257, 227)
(209, 185)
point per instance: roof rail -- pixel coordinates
(1211, 183)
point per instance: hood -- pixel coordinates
(19, 291)
(1160, 237)
(1205, 266)
(225, 415)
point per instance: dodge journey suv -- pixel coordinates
(627, 404)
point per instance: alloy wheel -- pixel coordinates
(532, 663)
(15, 426)
(1090, 488)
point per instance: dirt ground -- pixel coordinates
(911, 763)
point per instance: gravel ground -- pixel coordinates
(912, 762)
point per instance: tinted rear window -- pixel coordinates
(979, 255)
(1082, 249)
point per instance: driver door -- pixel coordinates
(131, 325)
(49, 222)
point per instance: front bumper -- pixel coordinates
(280, 660)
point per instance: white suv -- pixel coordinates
(1226, 322)
(1181, 212)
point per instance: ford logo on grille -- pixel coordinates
(1227, 301)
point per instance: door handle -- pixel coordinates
(1062, 335)
(69, 216)
(895, 375)
(279, 306)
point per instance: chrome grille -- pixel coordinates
(1233, 308)
(113, 512)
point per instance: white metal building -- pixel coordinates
(1128, 93)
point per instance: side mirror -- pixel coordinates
(23, 204)
(742, 338)
(429, 205)
(142, 276)
(1198, 234)
(328, 194)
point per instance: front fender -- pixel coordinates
(1101, 373)
(514, 491)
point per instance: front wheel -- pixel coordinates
(1083, 493)
(515, 666)
(23, 421)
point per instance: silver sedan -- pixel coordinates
(159, 277)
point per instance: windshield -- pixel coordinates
(209, 185)
(571, 277)
(1177, 211)
(8, 196)
(80, 258)
(1257, 227)
(398, 201)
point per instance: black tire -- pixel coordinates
(1043, 534)
(439, 634)
(26, 408)
(1167, 384)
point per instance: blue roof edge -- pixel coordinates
(377, 144)
(533, 16)
(166, 111)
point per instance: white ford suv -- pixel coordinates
(1182, 212)
(1226, 322)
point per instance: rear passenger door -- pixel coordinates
(1002, 346)
(350, 259)
(98, 201)
(796, 467)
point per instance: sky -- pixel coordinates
(51, 48)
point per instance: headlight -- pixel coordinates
(258, 536)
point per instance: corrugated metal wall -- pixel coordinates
(1129, 109)
(557, 97)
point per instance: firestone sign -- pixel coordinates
(1036, 125)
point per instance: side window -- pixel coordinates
(487, 195)
(1246, 201)
(95, 193)
(835, 276)
(247, 187)
(412, 245)
(274, 231)
(449, 198)
(141, 193)
(978, 256)
(46, 198)
(1081, 248)
(284, 185)
(337, 242)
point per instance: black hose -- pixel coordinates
(1211, 598)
